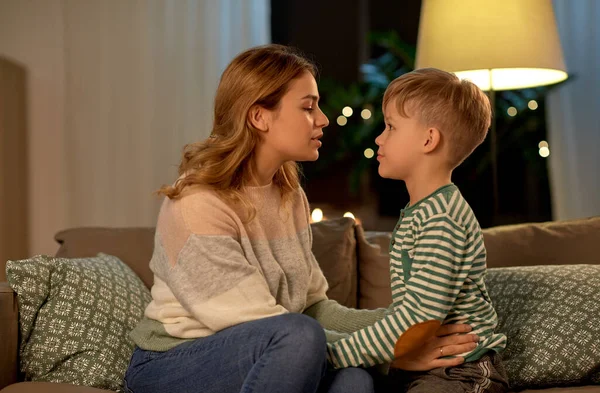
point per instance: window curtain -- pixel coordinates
(116, 89)
(572, 114)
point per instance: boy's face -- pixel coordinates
(400, 144)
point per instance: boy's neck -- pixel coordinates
(423, 185)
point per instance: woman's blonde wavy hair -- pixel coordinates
(224, 161)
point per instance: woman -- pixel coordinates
(238, 301)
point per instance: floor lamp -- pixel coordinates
(497, 44)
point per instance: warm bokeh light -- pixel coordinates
(544, 152)
(317, 215)
(512, 111)
(365, 114)
(533, 105)
(369, 153)
(349, 214)
(347, 111)
(342, 121)
(513, 78)
(543, 144)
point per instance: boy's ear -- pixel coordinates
(259, 118)
(432, 140)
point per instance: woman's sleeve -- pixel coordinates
(333, 316)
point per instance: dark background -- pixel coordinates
(334, 34)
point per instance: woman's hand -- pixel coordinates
(448, 340)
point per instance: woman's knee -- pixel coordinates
(303, 333)
(306, 330)
(350, 379)
(359, 378)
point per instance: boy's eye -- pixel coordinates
(309, 109)
(389, 126)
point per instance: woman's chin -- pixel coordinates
(314, 156)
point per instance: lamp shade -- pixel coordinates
(503, 44)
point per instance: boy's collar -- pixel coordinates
(408, 209)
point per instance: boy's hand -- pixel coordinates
(448, 340)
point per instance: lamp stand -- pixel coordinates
(494, 152)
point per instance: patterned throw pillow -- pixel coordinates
(75, 316)
(551, 316)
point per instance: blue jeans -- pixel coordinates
(286, 353)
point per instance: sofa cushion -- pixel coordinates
(545, 243)
(133, 246)
(373, 269)
(334, 246)
(551, 316)
(75, 316)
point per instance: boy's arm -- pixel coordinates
(441, 263)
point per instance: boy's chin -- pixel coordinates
(387, 175)
(383, 173)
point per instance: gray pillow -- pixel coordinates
(551, 316)
(75, 316)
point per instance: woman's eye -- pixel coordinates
(309, 109)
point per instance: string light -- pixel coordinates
(512, 111)
(349, 214)
(317, 215)
(369, 153)
(365, 114)
(342, 121)
(543, 144)
(347, 111)
(544, 152)
(533, 105)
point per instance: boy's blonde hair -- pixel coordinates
(458, 108)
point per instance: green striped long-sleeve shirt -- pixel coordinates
(437, 267)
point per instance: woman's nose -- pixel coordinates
(323, 121)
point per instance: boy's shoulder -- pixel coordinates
(447, 203)
(440, 202)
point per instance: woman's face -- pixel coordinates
(295, 127)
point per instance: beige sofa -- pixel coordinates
(355, 264)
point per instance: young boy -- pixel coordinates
(437, 255)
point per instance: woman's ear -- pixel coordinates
(432, 140)
(259, 118)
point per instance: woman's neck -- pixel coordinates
(265, 167)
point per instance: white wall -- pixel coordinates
(31, 32)
(117, 88)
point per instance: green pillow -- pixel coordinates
(75, 316)
(551, 316)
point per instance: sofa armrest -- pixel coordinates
(9, 335)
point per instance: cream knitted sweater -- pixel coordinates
(212, 270)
